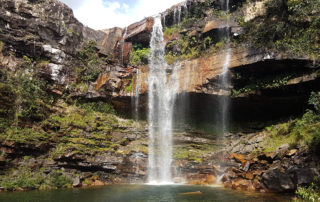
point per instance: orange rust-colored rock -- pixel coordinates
(97, 183)
(126, 52)
(239, 158)
(194, 75)
(249, 176)
(102, 79)
(211, 179)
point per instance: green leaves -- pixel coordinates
(139, 55)
(292, 26)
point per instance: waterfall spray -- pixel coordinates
(224, 80)
(162, 90)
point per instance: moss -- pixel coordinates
(1, 46)
(42, 64)
(25, 135)
(70, 31)
(129, 89)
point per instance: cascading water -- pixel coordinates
(136, 95)
(162, 90)
(224, 79)
(122, 43)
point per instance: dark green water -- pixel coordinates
(139, 193)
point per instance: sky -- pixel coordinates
(102, 14)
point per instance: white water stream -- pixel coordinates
(162, 90)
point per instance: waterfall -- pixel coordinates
(137, 94)
(224, 80)
(179, 14)
(122, 43)
(162, 90)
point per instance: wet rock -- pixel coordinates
(277, 181)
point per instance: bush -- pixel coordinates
(311, 193)
(291, 26)
(139, 55)
(315, 102)
(58, 180)
(90, 58)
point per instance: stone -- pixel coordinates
(97, 183)
(216, 24)
(292, 152)
(239, 158)
(140, 32)
(246, 167)
(211, 179)
(249, 176)
(276, 181)
(76, 182)
(304, 176)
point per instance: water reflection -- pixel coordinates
(141, 193)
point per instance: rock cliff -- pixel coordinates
(58, 77)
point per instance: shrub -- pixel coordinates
(139, 55)
(58, 180)
(291, 26)
(90, 58)
(311, 193)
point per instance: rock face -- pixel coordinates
(49, 31)
(140, 32)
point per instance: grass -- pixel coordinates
(303, 132)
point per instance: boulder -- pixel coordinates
(140, 32)
(276, 181)
(304, 176)
(76, 182)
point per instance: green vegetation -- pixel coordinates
(311, 193)
(24, 96)
(1, 46)
(291, 26)
(27, 180)
(139, 55)
(91, 61)
(299, 132)
(129, 88)
(25, 136)
(266, 82)
(98, 106)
